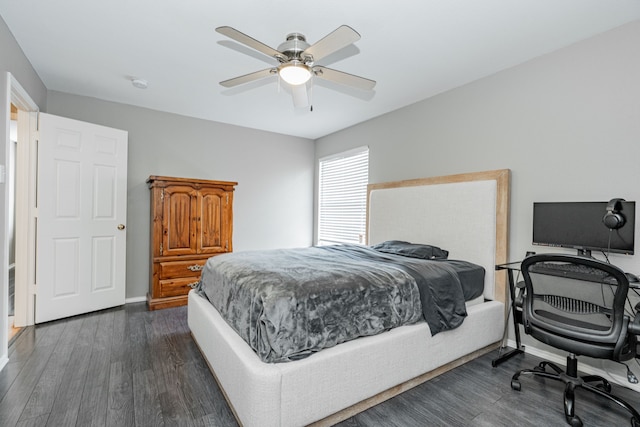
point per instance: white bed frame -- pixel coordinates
(466, 214)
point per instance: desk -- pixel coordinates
(511, 267)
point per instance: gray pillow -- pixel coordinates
(412, 250)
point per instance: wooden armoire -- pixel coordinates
(191, 221)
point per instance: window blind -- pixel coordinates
(342, 198)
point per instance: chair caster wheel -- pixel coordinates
(574, 421)
(515, 385)
(606, 387)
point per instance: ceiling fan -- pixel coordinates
(297, 61)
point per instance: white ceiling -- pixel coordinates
(414, 49)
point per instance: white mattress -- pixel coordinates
(475, 301)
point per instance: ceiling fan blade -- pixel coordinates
(246, 40)
(341, 37)
(343, 78)
(249, 77)
(300, 96)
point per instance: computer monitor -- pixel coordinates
(578, 225)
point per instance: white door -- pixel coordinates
(81, 236)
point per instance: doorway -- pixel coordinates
(23, 223)
(22, 272)
(11, 219)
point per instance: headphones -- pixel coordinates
(613, 219)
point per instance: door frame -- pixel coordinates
(25, 203)
(16, 95)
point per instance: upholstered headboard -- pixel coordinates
(466, 214)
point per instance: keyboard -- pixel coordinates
(571, 271)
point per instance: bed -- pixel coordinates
(468, 215)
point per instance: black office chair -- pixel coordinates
(581, 316)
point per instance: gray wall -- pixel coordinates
(13, 60)
(273, 202)
(567, 124)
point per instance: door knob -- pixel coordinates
(120, 226)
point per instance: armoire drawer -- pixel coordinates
(176, 287)
(176, 269)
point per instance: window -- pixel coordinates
(342, 198)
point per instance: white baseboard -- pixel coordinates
(135, 299)
(619, 377)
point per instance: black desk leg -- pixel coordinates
(516, 324)
(506, 356)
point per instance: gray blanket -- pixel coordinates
(289, 303)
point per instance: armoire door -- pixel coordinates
(213, 221)
(82, 209)
(179, 217)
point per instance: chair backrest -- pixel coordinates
(582, 316)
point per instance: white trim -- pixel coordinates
(25, 193)
(4, 274)
(25, 206)
(134, 300)
(19, 96)
(15, 94)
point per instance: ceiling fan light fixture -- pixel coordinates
(295, 73)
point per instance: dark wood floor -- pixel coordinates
(131, 367)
